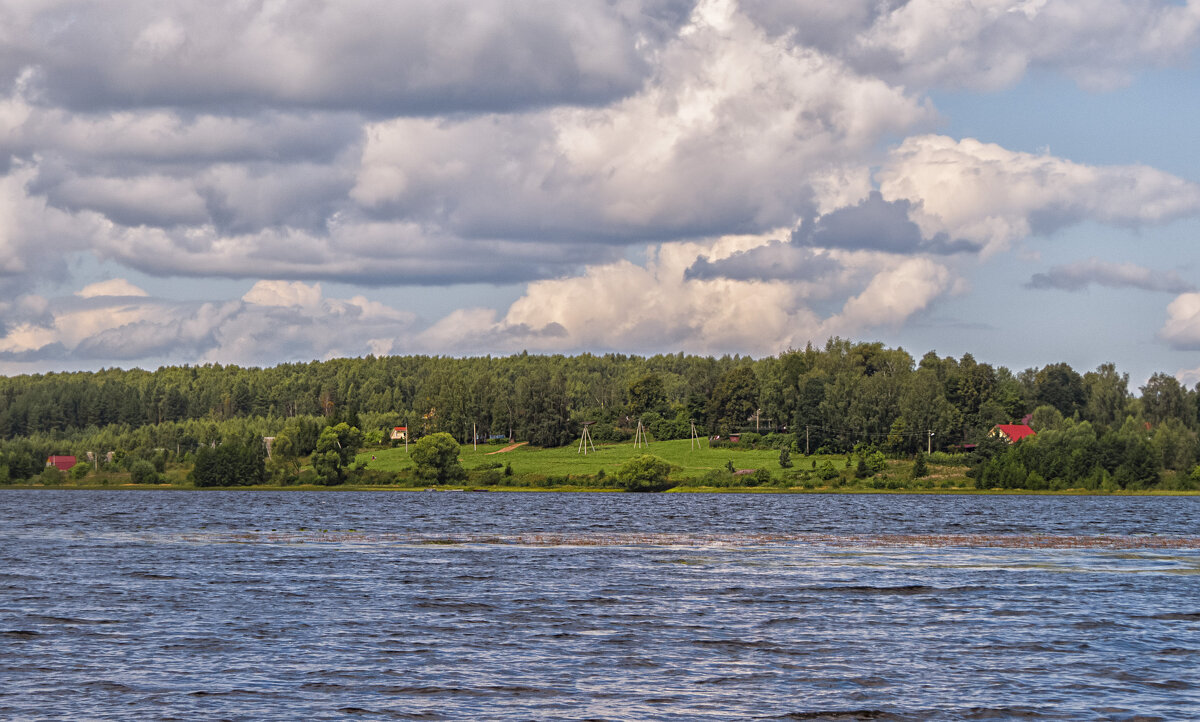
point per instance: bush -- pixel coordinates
(488, 477)
(717, 478)
(372, 477)
(51, 476)
(645, 473)
(760, 477)
(785, 458)
(143, 472)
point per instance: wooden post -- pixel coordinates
(639, 437)
(806, 440)
(474, 437)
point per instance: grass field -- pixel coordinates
(529, 460)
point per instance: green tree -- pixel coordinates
(734, 400)
(336, 447)
(647, 394)
(436, 457)
(645, 473)
(920, 468)
(1060, 386)
(785, 458)
(228, 465)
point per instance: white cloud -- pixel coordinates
(116, 321)
(114, 287)
(989, 44)
(991, 195)
(421, 142)
(1182, 327)
(403, 56)
(655, 307)
(35, 239)
(284, 294)
(735, 132)
(892, 296)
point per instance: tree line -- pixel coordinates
(830, 399)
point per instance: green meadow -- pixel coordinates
(689, 459)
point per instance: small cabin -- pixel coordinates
(400, 433)
(62, 463)
(1012, 433)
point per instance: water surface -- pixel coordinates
(264, 605)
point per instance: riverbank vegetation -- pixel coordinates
(848, 417)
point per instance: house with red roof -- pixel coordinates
(1012, 433)
(400, 433)
(62, 463)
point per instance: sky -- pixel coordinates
(263, 182)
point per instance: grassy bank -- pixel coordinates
(694, 469)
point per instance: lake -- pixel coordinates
(251, 605)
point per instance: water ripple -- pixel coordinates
(274, 606)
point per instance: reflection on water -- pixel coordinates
(249, 605)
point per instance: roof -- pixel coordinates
(1015, 432)
(62, 463)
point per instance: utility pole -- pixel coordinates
(806, 439)
(929, 443)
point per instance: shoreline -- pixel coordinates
(602, 490)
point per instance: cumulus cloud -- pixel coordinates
(357, 251)
(874, 224)
(992, 196)
(775, 261)
(114, 287)
(1188, 377)
(405, 57)
(35, 238)
(421, 142)
(1182, 328)
(992, 44)
(114, 321)
(660, 305)
(1078, 276)
(733, 133)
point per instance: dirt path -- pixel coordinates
(507, 448)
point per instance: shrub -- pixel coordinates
(50, 476)
(489, 477)
(785, 458)
(645, 473)
(760, 477)
(143, 472)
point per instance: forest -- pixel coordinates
(864, 398)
